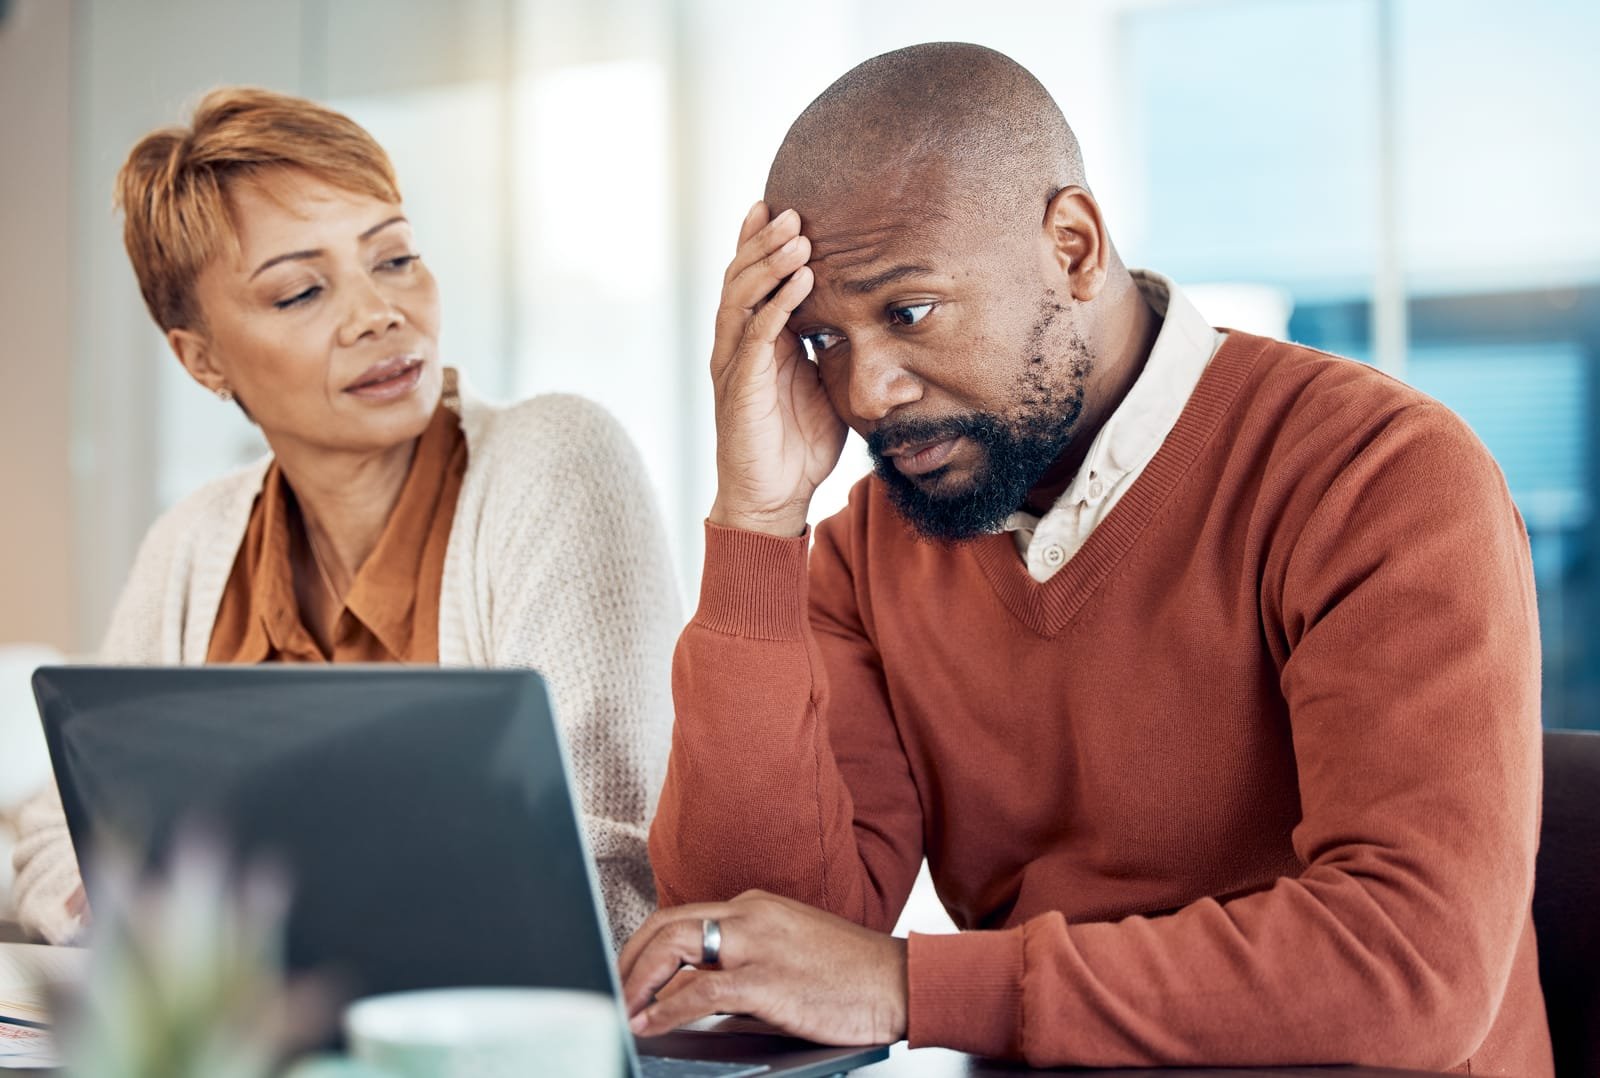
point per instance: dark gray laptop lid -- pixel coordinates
(424, 815)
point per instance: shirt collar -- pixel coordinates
(383, 595)
(1130, 437)
(275, 626)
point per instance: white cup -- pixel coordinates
(488, 1033)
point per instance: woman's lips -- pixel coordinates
(388, 380)
(926, 458)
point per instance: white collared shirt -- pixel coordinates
(1130, 438)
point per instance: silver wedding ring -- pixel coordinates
(710, 942)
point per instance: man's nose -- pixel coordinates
(880, 381)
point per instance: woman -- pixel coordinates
(396, 519)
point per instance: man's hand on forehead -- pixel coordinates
(777, 435)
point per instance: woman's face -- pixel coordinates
(323, 321)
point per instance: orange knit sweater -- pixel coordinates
(1254, 779)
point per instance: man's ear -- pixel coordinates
(1075, 239)
(194, 352)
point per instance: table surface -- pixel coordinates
(904, 1062)
(939, 1063)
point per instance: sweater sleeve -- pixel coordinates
(46, 869)
(45, 862)
(575, 558)
(1406, 604)
(784, 748)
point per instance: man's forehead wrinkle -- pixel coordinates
(833, 271)
(862, 264)
(866, 286)
(849, 251)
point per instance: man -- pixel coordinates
(1202, 668)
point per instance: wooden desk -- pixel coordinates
(939, 1063)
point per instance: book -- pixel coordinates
(29, 974)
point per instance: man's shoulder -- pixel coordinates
(1312, 422)
(1306, 379)
(1304, 395)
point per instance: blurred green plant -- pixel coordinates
(186, 974)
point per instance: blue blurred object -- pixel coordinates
(1259, 130)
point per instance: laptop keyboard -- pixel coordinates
(666, 1067)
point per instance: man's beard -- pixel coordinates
(1018, 447)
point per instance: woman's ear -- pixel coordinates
(194, 352)
(1075, 238)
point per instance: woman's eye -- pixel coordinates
(910, 314)
(298, 298)
(400, 263)
(817, 343)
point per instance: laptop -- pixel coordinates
(426, 818)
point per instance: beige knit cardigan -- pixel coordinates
(557, 561)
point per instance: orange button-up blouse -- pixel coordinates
(391, 611)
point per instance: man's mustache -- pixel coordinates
(905, 432)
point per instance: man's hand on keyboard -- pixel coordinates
(807, 972)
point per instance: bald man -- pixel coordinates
(1202, 668)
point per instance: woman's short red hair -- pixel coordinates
(173, 188)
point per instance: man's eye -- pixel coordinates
(817, 343)
(298, 298)
(910, 314)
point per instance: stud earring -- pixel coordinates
(224, 394)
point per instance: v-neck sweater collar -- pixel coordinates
(1048, 607)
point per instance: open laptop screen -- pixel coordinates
(423, 814)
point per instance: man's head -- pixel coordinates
(960, 263)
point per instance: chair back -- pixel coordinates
(1566, 900)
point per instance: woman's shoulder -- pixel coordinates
(190, 546)
(552, 421)
(551, 441)
(550, 458)
(217, 497)
(219, 503)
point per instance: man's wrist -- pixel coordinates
(786, 523)
(899, 1021)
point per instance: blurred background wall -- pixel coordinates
(1404, 181)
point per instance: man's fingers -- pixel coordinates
(716, 992)
(636, 943)
(769, 321)
(761, 278)
(737, 327)
(658, 921)
(672, 947)
(756, 217)
(681, 980)
(768, 239)
(759, 236)
(767, 256)
(761, 332)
